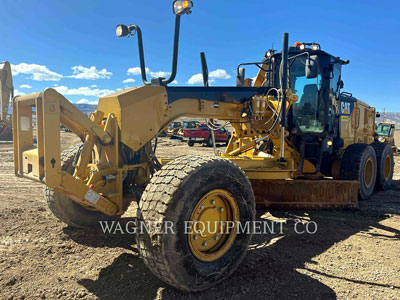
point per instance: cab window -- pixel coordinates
(308, 111)
(383, 130)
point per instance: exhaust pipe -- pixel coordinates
(284, 81)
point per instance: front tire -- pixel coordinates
(359, 163)
(195, 188)
(67, 210)
(384, 157)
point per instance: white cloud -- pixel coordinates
(93, 86)
(38, 72)
(219, 74)
(136, 71)
(175, 82)
(128, 80)
(216, 74)
(81, 72)
(195, 79)
(84, 91)
(198, 79)
(18, 93)
(25, 86)
(85, 101)
(160, 74)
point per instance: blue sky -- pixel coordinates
(72, 44)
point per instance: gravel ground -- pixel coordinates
(354, 254)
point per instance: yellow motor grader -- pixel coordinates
(298, 142)
(385, 134)
(6, 93)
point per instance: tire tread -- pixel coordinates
(154, 203)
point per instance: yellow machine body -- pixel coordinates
(134, 117)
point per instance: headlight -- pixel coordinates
(381, 139)
(302, 47)
(121, 30)
(182, 7)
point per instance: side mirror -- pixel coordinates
(341, 84)
(312, 66)
(240, 76)
(378, 115)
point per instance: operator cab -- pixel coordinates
(313, 121)
(385, 130)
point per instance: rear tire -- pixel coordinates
(384, 158)
(359, 163)
(190, 143)
(67, 210)
(175, 194)
(210, 142)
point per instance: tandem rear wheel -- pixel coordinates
(385, 162)
(371, 165)
(359, 163)
(190, 191)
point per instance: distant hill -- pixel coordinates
(86, 108)
(392, 117)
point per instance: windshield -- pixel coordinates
(174, 125)
(308, 111)
(383, 130)
(189, 125)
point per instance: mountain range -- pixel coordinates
(391, 117)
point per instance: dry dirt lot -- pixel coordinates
(353, 255)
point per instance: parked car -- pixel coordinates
(188, 125)
(202, 135)
(173, 128)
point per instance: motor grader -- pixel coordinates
(6, 93)
(385, 134)
(298, 142)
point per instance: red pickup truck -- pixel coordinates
(202, 135)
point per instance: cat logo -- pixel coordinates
(345, 108)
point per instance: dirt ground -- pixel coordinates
(353, 255)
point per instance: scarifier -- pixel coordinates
(298, 142)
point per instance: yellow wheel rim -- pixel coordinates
(388, 167)
(369, 172)
(213, 227)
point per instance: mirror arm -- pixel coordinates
(175, 51)
(141, 52)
